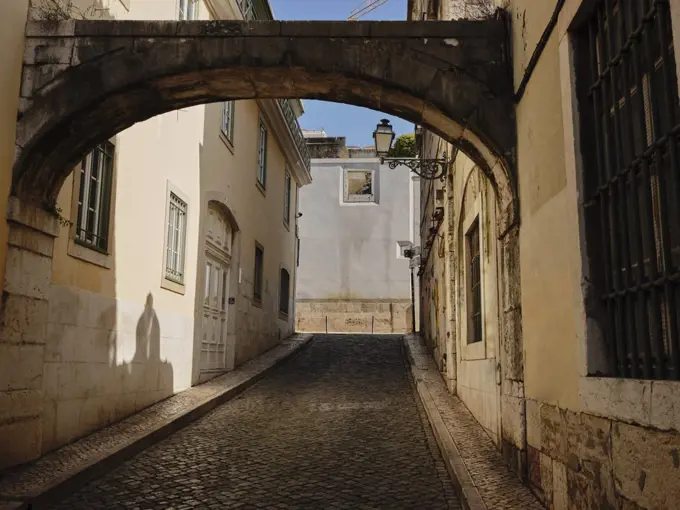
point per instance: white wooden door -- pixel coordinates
(213, 346)
(216, 292)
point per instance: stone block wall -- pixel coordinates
(106, 358)
(581, 461)
(353, 316)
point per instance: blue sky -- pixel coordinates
(356, 123)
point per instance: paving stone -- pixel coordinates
(26, 482)
(338, 426)
(499, 488)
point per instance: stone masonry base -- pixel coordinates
(582, 461)
(353, 316)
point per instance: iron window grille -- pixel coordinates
(284, 292)
(188, 10)
(627, 88)
(176, 241)
(94, 198)
(474, 284)
(286, 199)
(262, 156)
(257, 278)
(227, 127)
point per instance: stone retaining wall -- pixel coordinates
(353, 316)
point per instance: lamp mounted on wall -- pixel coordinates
(429, 169)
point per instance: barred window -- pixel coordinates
(176, 239)
(474, 279)
(627, 90)
(228, 120)
(94, 198)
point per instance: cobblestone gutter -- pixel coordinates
(475, 465)
(62, 471)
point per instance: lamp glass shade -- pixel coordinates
(383, 136)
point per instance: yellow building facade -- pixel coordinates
(584, 411)
(175, 255)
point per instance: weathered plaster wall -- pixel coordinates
(548, 230)
(592, 442)
(349, 251)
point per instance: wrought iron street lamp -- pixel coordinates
(429, 169)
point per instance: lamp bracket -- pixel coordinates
(429, 169)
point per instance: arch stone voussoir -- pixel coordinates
(84, 81)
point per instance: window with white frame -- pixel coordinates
(94, 198)
(286, 199)
(262, 156)
(176, 239)
(228, 120)
(359, 185)
(188, 10)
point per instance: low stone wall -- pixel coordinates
(353, 316)
(582, 461)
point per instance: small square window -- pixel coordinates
(359, 185)
(402, 247)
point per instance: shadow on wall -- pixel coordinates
(95, 385)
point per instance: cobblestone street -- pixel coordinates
(337, 426)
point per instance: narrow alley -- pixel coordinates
(336, 426)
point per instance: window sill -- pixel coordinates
(227, 142)
(261, 187)
(172, 286)
(283, 316)
(360, 203)
(474, 351)
(87, 254)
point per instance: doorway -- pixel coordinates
(218, 243)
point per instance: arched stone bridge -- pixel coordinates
(84, 81)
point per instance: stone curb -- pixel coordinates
(462, 481)
(63, 485)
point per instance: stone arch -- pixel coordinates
(85, 81)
